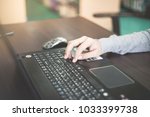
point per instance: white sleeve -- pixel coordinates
(131, 43)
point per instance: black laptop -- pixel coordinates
(52, 77)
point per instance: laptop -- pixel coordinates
(52, 77)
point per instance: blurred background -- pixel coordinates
(119, 16)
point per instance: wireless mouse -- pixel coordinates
(57, 42)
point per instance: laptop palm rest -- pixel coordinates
(111, 76)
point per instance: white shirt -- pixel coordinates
(130, 43)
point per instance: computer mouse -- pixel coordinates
(57, 42)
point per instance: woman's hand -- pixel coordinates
(82, 45)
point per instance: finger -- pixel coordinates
(90, 54)
(73, 44)
(80, 49)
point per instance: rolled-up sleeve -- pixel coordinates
(131, 43)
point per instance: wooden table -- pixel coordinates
(31, 35)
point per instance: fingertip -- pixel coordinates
(74, 60)
(65, 56)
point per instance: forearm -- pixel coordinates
(131, 43)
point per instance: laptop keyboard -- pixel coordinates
(67, 77)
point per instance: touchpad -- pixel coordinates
(111, 76)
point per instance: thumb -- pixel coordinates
(88, 55)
